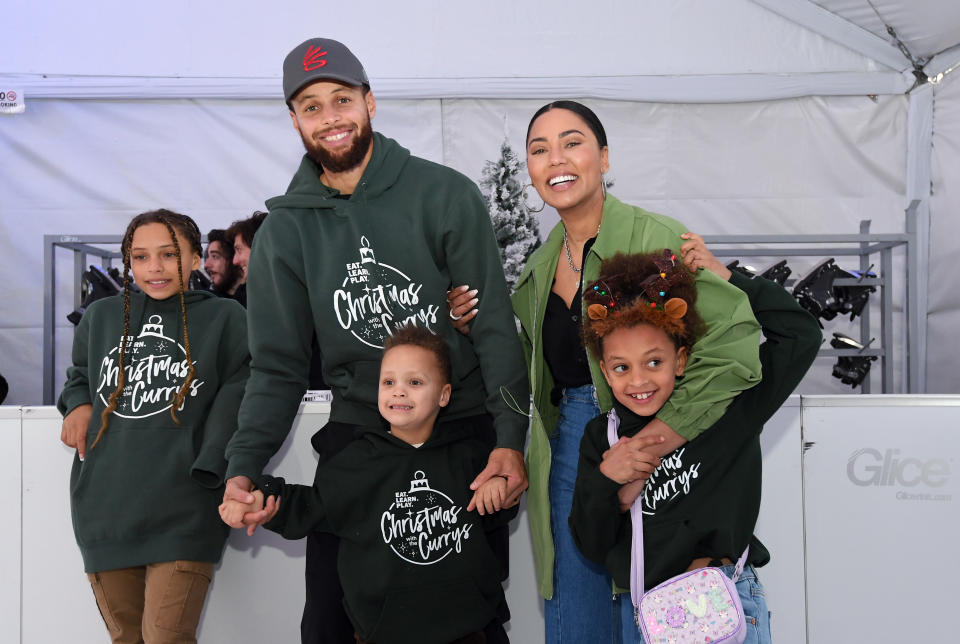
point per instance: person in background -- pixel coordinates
(240, 235)
(218, 263)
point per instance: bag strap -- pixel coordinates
(636, 518)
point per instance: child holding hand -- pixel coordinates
(701, 502)
(414, 563)
(150, 404)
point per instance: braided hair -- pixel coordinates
(174, 222)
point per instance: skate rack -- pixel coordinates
(862, 245)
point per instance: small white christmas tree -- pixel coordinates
(518, 231)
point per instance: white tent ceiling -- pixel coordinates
(927, 27)
(111, 56)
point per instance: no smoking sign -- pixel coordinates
(11, 101)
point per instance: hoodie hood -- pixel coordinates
(306, 190)
(441, 437)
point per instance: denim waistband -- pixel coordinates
(748, 571)
(581, 394)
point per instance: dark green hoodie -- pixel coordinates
(148, 492)
(704, 499)
(356, 269)
(415, 566)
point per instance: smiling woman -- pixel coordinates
(567, 156)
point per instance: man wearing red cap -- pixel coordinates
(368, 238)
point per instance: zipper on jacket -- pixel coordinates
(533, 330)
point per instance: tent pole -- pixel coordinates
(918, 178)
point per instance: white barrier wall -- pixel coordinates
(10, 534)
(780, 526)
(882, 518)
(813, 589)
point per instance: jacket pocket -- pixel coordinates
(135, 483)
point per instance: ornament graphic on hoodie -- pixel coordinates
(423, 526)
(156, 369)
(375, 299)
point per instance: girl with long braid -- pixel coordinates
(150, 404)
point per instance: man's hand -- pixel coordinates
(626, 462)
(238, 489)
(73, 433)
(507, 463)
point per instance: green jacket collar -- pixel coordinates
(615, 233)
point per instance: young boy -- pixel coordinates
(414, 564)
(701, 503)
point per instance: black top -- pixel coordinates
(562, 345)
(415, 565)
(704, 499)
(240, 295)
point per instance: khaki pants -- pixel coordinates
(154, 604)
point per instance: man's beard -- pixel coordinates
(344, 160)
(229, 280)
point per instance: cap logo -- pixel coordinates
(313, 59)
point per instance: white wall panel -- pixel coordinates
(881, 485)
(53, 577)
(943, 317)
(780, 525)
(10, 481)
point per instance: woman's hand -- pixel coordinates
(460, 304)
(695, 255)
(74, 430)
(626, 461)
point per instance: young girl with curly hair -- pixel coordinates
(700, 503)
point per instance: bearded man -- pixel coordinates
(224, 276)
(368, 238)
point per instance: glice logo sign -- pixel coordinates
(868, 466)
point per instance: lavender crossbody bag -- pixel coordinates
(697, 606)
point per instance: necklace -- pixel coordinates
(566, 247)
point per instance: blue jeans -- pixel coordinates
(581, 606)
(751, 596)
